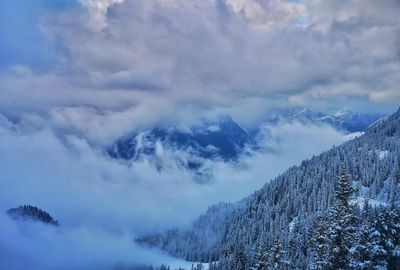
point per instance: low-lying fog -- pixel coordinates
(103, 204)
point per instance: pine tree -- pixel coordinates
(320, 244)
(388, 225)
(212, 265)
(276, 257)
(368, 252)
(341, 224)
(261, 258)
(239, 258)
(296, 251)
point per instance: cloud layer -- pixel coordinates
(120, 65)
(102, 204)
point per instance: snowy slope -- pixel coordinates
(286, 207)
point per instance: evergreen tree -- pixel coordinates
(341, 223)
(388, 225)
(276, 257)
(239, 258)
(261, 258)
(320, 244)
(368, 252)
(296, 251)
(212, 265)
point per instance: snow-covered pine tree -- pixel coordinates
(296, 251)
(320, 244)
(368, 252)
(260, 261)
(239, 258)
(221, 264)
(342, 221)
(276, 257)
(213, 266)
(388, 225)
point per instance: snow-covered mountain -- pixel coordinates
(219, 139)
(349, 196)
(346, 121)
(222, 138)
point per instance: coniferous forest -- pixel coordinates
(338, 210)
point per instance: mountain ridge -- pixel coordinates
(293, 200)
(221, 138)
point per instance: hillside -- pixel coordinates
(288, 207)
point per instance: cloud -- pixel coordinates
(37, 246)
(119, 55)
(98, 11)
(102, 204)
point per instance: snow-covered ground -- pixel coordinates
(361, 202)
(382, 154)
(181, 264)
(160, 258)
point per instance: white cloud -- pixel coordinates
(103, 204)
(118, 55)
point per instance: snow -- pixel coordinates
(360, 201)
(292, 224)
(341, 113)
(159, 148)
(140, 139)
(213, 128)
(382, 154)
(353, 135)
(211, 148)
(182, 264)
(167, 260)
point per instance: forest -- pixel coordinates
(338, 210)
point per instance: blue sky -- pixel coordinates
(23, 41)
